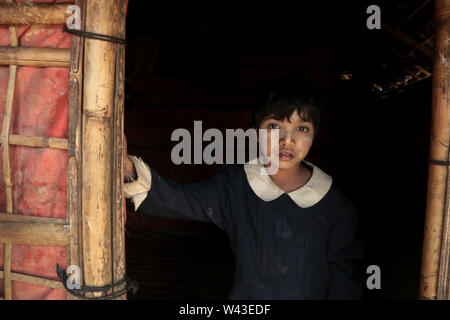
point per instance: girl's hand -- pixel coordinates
(129, 172)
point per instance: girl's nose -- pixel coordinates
(286, 137)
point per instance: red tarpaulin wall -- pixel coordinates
(38, 175)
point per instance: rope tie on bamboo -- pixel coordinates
(97, 36)
(439, 162)
(81, 293)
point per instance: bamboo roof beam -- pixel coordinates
(421, 45)
(398, 64)
(423, 70)
(406, 39)
(404, 59)
(413, 43)
(408, 71)
(33, 13)
(412, 14)
(36, 57)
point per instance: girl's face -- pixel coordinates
(295, 139)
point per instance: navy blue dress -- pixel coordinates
(282, 251)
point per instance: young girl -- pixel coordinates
(293, 233)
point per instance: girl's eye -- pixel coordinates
(273, 126)
(303, 129)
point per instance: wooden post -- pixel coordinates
(98, 137)
(434, 281)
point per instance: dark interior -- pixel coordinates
(189, 63)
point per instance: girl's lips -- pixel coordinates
(286, 155)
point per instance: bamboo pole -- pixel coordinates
(7, 271)
(7, 217)
(5, 159)
(33, 13)
(36, 57)
(40, 142)
(118, 223)
(97, 142)
(5, 136)
(34, 234)
(434, 269)
(34, 280)
(75, 256)
(31, 230)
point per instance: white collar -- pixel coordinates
(306, 196)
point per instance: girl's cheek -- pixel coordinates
(305, 140)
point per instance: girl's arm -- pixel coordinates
(208, 200)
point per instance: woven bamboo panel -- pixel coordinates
(17, 229)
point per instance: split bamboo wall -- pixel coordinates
(95, 124)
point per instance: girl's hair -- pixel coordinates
(279, 99)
